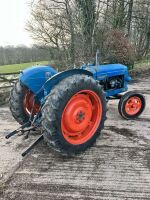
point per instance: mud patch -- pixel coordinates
(128, 134)
(144, 119)
(2, 189)
(144, 91)
(147, 159)
(20, 146)
(133, 153)
(122, 131)
(5, 115)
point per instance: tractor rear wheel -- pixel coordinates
(131, 105)
(22, 103)
(74, 114)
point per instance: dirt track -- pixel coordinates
(116, 168)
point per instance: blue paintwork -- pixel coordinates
(35, 77)
(54, 80)
(102, 72)
(50, 83)
(41, 79)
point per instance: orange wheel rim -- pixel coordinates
(133, 105)
(81, 117)
(30, 107)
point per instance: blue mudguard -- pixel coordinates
(54, 80)
(35, 77)
(41, 79)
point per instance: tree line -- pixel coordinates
(23, 54)
(77, 28)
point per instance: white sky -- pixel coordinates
(13, 17)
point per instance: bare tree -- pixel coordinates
(76, 28)
(52, 24)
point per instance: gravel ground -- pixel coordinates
(116, 168)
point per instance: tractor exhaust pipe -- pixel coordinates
(97, 57)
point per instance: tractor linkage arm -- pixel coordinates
(20, 129)
(32, 145)
(27, 127)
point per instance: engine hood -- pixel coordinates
(110, 67)
(108, 70)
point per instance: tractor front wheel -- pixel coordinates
(131, 105)
(74, 114)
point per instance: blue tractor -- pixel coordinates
(69, 107)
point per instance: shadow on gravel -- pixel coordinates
(122, 131)
(127, 133)
(143, 119)
(147, 159)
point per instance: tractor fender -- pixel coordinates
(51, 82)
(34, 77)
(54, 80)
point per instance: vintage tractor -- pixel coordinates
(69, 108)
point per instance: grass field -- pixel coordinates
(18, 67)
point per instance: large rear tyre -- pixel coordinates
(74, 114)
(22, 103)
(131, 105)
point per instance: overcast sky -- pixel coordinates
(13, 16)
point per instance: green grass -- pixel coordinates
(18, 67)
(143, 63)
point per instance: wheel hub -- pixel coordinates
(78, 114)
(81, 117)
(133, 105)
